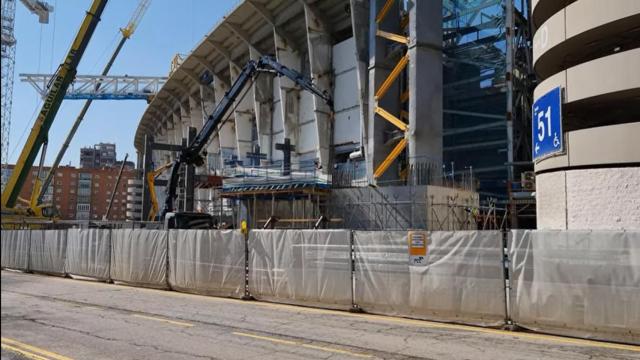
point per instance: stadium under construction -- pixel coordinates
(430, 126)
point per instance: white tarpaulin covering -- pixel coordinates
(15, 249)
(207, 262)
(139, 257)
(461, 280)
(88, 253)
(48, 251)
(301, 266)
(577, 283)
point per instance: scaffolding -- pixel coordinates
(488, 84)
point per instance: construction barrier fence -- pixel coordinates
(48, 251)
(460, 277)
(301, 266)
(139, 257)
(575, 283)
(207, 262)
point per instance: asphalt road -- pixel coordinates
(53, 318)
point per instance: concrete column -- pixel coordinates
(227, 131)
(207, 94)
(209, 103)
(159, 156)
(171, 136)
(360, 27)
(244, 119)
(263, 103)
(425, 83)
(185, 120)
(320, 52)
(380, 65)
(289, 102)
(195, 112)
(177, 128)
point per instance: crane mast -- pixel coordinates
(39, 132)
(126, 34)
(40, 8)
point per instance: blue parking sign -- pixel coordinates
(546, 125)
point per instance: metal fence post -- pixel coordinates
(245, 232)
(28, 269)
(111, 256)
(352, 258)
(506, 277)
(167, 262)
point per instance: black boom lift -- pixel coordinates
(192, 154)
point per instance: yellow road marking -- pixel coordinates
(279, 341)
(179, 323)
(34, 352)
(336, 350)
(309, 346)
(432, 324)
(23, 352)
(388, 319)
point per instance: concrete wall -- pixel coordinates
(589, 199)
(450, 208)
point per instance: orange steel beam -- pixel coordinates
(404, 21)
(393, 37)
(404, 115)
(384, 165)
(392, 76)
(404, 97)
(391, 118)
(383, 12)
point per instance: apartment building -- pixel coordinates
(83, 193)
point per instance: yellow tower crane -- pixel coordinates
(39, 133)
(40, 190)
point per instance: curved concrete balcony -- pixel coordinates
(615, 145)
(543, 9)
(583, 31)
(604, 91)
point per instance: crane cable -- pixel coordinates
(53, 36)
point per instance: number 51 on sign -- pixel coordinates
(546, 125)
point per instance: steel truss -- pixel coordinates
(95, 87)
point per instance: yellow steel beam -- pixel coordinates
(393, 37)
(384, 165)
(404, 97)
(404, 115)
(392, 76)
(391, 118)
(383, 12)
(404, 21)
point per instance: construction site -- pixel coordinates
(453, 168)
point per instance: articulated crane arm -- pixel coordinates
(63, 77)
(191, 155)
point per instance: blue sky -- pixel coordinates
(168, 27)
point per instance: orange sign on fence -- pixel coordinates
(417, 247)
